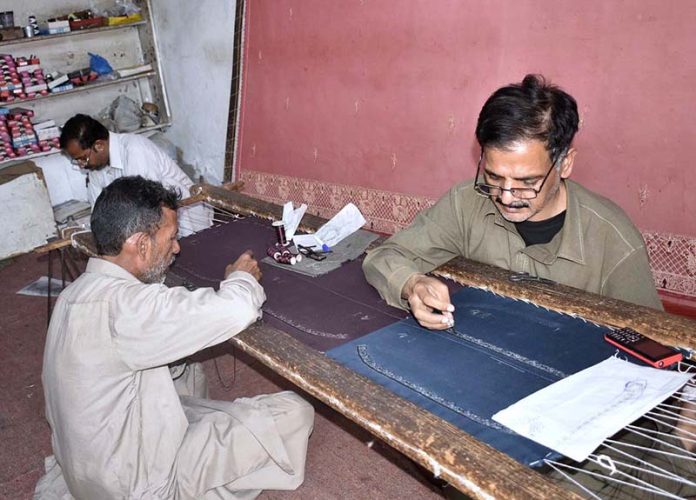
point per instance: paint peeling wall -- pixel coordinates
(385, 94)
(196, 42)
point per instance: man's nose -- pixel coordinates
(177, 247)
(506, 197)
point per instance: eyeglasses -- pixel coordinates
(521, 193)
(82, 162)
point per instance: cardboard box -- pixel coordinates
(10, 34)
(81, 24)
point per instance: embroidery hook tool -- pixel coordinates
(526, 277)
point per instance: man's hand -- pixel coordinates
(247, 263)
(430, 302)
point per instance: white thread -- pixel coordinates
(651, 489)
(72, 236)
(606, 462)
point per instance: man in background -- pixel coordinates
(107, 156)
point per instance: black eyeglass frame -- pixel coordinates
(84, 161)
(514, 191)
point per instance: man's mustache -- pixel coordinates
(514, 204)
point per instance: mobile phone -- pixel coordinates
(643, 348)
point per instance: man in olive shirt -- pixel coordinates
(520, 213)
(523, 214)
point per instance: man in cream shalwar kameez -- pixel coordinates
(119, 429)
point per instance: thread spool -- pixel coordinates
(282, 249)
(286, 251)
(282, 256)
(280, 232)
(34, 24)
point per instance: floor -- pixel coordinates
(344, 461)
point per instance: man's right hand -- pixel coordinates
(247, 263)
(430, 302)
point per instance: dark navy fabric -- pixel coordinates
(499, 352)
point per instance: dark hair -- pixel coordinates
(533, 109)
(127, 206)
(83, 129)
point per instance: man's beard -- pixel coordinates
(158, 271)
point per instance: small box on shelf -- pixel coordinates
(82, 76)
(7, 34)
(81, 24)
(62, 88)
(47, 130)
(56, 79)
(55, 27)
(119, 20)
(133, 70)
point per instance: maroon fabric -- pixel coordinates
(322, 312)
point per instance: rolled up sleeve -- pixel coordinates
(434, 238)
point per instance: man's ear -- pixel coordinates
(138, 245)
(100, 145)
(567, 163)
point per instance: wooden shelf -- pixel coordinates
(97, 84)
(143, 130)
(42, 38)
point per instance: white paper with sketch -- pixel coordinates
(574, 415)
(343, 224)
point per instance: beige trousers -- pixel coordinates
(233, 450)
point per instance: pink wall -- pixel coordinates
(385, 94)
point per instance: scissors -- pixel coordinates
(526, 277)
(312, 254)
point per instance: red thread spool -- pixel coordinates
(281, 255)
(280, 232)
(286, 252)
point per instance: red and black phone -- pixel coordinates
(643, 348)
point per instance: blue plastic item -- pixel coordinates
(99, 65)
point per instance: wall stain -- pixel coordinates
(643, 195)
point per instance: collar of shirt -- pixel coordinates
(101, 266)
(115, 146)
(567, 244)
